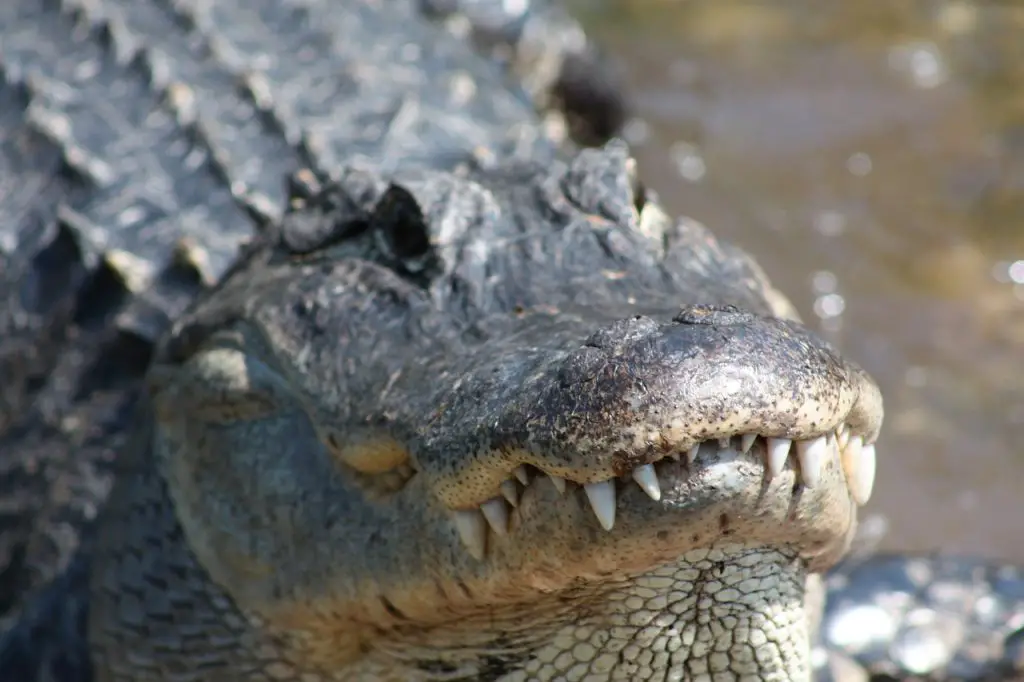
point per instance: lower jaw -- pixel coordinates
(728, 612)
(731, 612)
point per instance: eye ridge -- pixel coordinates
(221, 384)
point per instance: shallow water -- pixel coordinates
(871, 155)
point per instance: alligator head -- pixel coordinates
(513, 425)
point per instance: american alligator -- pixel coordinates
(468, 405)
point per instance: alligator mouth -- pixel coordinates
(807, 458)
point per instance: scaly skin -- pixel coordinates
(141, 142)
(324, 420)
(126, 126)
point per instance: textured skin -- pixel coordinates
(265, 391)
(90, 267)
(183, 120)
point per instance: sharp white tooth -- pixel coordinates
(842, 436)
(647, 479)
(520, 473)
(674, 455)
(834, 451)
(691, 454)
(850, 458)
(778, 453)
(558, 482)
(602, 501)
(866, 476)
(510, 492)
(472, 531)
(859, 464)
(812, 454)
(496, 514)
(724, 443)
(747, 442)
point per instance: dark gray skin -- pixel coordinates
(445, 314)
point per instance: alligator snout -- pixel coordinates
(656, 407)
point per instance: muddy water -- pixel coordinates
(872, 156)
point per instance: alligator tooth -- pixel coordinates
(510, 492)
(747, 442)
(522, 475)
(674, 456)
(842, 436)
(472, 530)
(602, 501)
(866, 472)
(724, 443)
(691, 454)
(647, 479)
(812, 454)
(558, 482)
(850, 458)
(496, 514)
(859, 464)
(778, 453)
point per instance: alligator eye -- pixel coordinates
(367, 454)
(377, 463)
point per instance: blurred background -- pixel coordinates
(871, 155)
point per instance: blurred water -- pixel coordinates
(872, 156)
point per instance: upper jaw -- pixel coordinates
(616, 420)
(741, 478)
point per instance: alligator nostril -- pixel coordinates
(718, 315)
